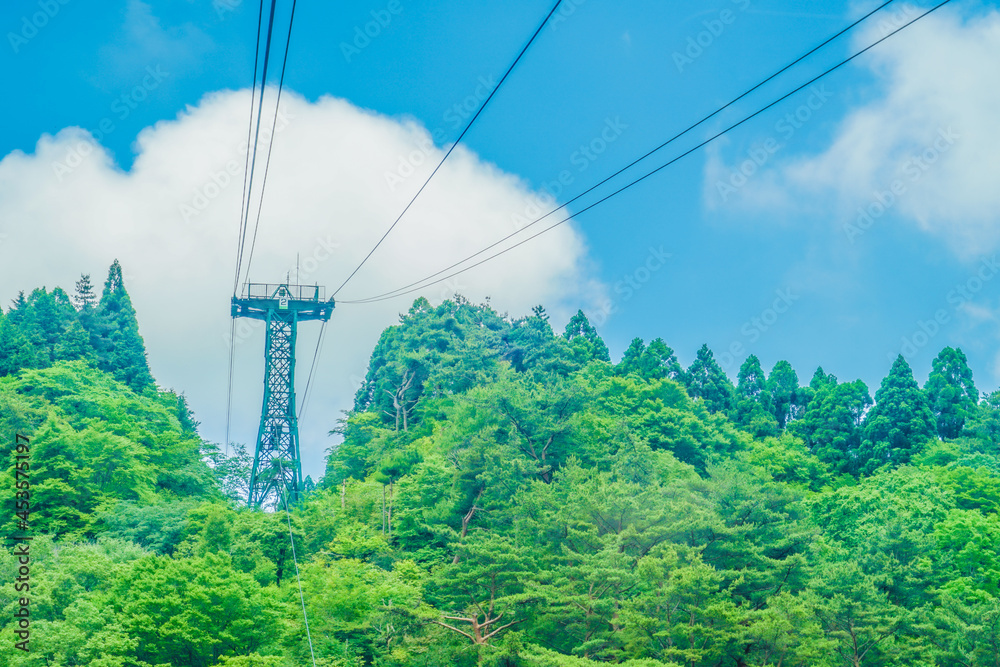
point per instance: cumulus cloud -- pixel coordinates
(338, 176)
(930, 129)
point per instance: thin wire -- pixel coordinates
(453, 146)
(229, 393)
(305, 615)
(312, 367)
(661, 167)
(256, 138)
(270, 143)
(246, 166)
(636, 161)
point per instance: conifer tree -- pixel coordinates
(656, 362)
(900, 423)
(582, 335)
(783, 388)
(706, 380)
(951, 393)
(115, 334)
(753, 406)
(84, 297)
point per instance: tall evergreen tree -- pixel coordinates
(900, 423)
(584, 338)
(656, 362)
(831, 425)
(753, 405)
(783, 388)
(84, 298)
(951, 393)
(115, 334)
(706, 380)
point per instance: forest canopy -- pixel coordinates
(504, 494)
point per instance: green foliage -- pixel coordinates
(505, 496)
(706, 380)
(951, 393)
(831, 424)
(583, 338)
(754, 411)
(656, 362)
(900, 423)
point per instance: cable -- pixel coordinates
(256, 138)
(637, 160)
(452, 148)
(229, 393)
(661, 167)
(246, 166)
(305, 615)
(312, 367)
(270, 143)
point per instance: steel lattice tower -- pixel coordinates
(276, 463)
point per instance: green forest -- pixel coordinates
(504, 495)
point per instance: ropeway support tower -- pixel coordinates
(277, 469)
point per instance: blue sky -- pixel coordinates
(782, 263)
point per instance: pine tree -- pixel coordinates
(656, 362)
(632, 359)
(115, 334)
(583, 336)
(753, 406)
(706, 380)
(900, 423)
(84, 297)
(831, 425)
(951, 393)
(783, 388)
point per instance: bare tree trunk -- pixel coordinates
(343, 495)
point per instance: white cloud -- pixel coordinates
(327, 200)
(932, 128)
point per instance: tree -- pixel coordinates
(831, 425)
(753, 404)
(900, 423)
(706, 380)
(84, 298)
(115, 334)
(584, 339)
(656, 362)
(951, 393)
(783, 387)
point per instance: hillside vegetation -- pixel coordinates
(504, 495)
